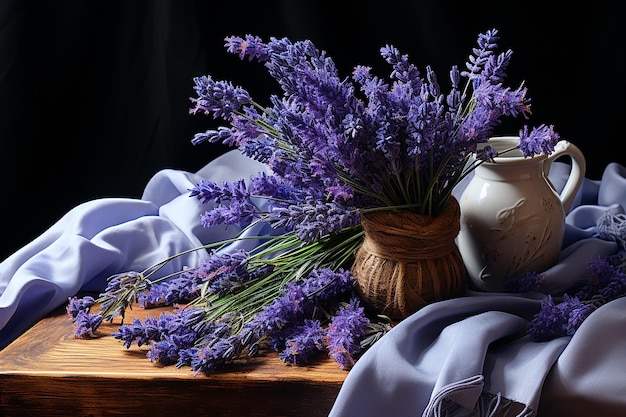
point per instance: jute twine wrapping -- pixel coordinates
(407, 260)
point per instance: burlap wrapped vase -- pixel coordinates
(407, 260)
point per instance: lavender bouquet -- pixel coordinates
(335, 147)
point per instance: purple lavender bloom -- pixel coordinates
(178, 328)
(487, 43)
(120, 293)
(549, 323)
(315, 220)
(233, 203)
(272, 185)
(225, 272)
(76, 305)
(219, 98)
(403, 70)
(492, 102)
(181, 289)
(307, 76)
(303, 343)
(557, 320)
(251, 126)
(217, 348)
(310, 117)
(207, 191)
(211, 357)
(541, 139)
(576, 312)
(616, 288)
(605, 279)
(122, 281)
(138, 332)
(86, 324)
(345, 332)
(502, 100)
(324, 284)
(163, 352)
(252, 47)
(221, 135)
(260, 148)
(454, 99)
(606, 282)
(281, 312)
(495, 67)
(186, 356)
(167, 335)
(324, 136)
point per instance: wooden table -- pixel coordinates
(47, 372)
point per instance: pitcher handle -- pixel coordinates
(577, 172)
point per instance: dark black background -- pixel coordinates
(94, 95)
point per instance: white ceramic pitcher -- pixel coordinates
(512, 218)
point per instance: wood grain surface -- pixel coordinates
(47, 372)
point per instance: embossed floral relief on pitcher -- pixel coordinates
(512, 218)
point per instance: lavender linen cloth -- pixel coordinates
(471, 356)
(103, 237)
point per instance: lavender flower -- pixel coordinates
(345, 333)
(221, 135)
(315, 220)
(557, 320)
(77, 305)
(233, 200)
(164, 352)
(303, 343)
(120, 293)
(540, 140)
(487, 154)
(336, 147)
(225, 272)
(219, 98)
(213, 356)
(181, 289)
(252, 47)
(487, 43)
(138, 332)
(86, 324)
(167, 335)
